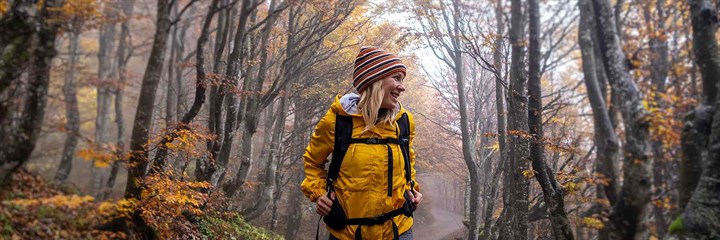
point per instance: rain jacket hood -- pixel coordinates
(361, 186)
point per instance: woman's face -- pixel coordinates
(392, 85)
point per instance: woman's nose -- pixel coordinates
(401, 87)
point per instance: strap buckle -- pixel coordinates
(372, 141)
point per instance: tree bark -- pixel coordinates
(628, 215)
(203, 166)
(143, 116)
(606, 141)
(17, 30)
(104, 91)
(215, 106)
(228, 91)
(171, 91)
(517, 185)
(501, 111)
(71, 111)
(179, 46)
(490, 197)
(20, 143)
(295, 212)
(553, 192)
(701, 217)
(698, 122)
(269, 186)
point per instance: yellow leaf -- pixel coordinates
(528, 173)
(592, 222)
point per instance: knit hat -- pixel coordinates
(373, 64)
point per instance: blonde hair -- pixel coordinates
(369, 106)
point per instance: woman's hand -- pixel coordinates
(416, 197)
(324, 204)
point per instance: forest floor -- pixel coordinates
(32, 208)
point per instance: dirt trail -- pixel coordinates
(438, 222)
(446, 224)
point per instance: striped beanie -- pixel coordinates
(373, 64)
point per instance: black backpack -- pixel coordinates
(337, 219)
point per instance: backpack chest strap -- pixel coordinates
(379, 140)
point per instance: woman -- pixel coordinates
(369, 191)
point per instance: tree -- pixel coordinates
(17, 29)
(308, 25)
(699, 219)
(500, 109)
(444, 19)
(106, 66)
(77, 16)
(659, 65)
(122, 56)
(220, 149)
(21, 140)
(516, 207)
(141, 127)
(553, 192)
(605, 138)
(627, 213)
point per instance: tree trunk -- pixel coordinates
(295, 211)
(701, 217)
(171, 90)
(552, 191)
(71, 112)
(202, 167)
(501, 109)
(299, 52)
(141, 128)
(17, 31)
(468, 138)
(517, 185)
(227, 93)
(268, 183)
(490, 199)
(250, 108)
(18, 145)
(606, 141)
(179, 43)
(698, 122)
(216, 115)
(200, 88)
(499, 89)
(611, 101)
(122, 57)
(628, 214)
(104, 91)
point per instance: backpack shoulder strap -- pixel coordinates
(404, 128)
(343, 134)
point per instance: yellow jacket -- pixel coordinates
(361, 186)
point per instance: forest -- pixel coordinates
(188, 119)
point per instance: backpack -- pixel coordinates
(343, 139)
(337, 219)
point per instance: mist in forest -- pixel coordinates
(188, 119)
